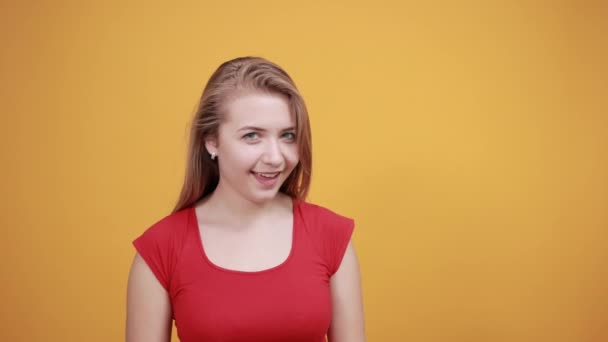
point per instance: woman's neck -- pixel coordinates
(227, 204)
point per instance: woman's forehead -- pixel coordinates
(263, 110)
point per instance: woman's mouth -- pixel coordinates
(267, 179)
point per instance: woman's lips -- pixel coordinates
(266, 178)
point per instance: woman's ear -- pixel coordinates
(211, 145)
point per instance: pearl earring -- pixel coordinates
(213, 155)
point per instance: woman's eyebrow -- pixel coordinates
(251, 128)
(258, 129)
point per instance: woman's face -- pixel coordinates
(256, 147)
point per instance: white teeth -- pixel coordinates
(268, 175)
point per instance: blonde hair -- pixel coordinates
(231, 78)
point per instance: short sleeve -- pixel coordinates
(159, 249)
(341, 237)
(337, 233)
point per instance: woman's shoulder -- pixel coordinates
(320, 214)
(161, 244)
(169, 225)
(329, 231)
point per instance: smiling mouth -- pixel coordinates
(269, 175)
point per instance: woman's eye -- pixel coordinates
(250, 136)
(290, 136)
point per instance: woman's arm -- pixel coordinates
(347, 324)
(148, 306)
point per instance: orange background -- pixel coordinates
(469, 142)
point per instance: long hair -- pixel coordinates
(232, 77)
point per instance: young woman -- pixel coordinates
(243, 256)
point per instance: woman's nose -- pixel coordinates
(272, 153)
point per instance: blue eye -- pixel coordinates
(250, 136)
(290, 136)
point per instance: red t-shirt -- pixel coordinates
(289, 302)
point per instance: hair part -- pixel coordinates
(231, 79)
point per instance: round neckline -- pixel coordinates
(199, 241)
